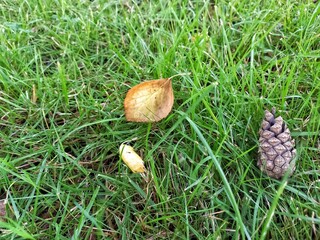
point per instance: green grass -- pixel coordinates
(65, 67)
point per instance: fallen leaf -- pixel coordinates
(149, 101)
(131, 158)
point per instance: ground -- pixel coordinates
(65, 68)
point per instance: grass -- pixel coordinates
(64, 71)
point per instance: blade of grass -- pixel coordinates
(240, 224)
(272, 209)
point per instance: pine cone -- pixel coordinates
(276, 147)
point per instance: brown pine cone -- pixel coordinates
(276, 147)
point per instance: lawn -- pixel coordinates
(65, 69)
